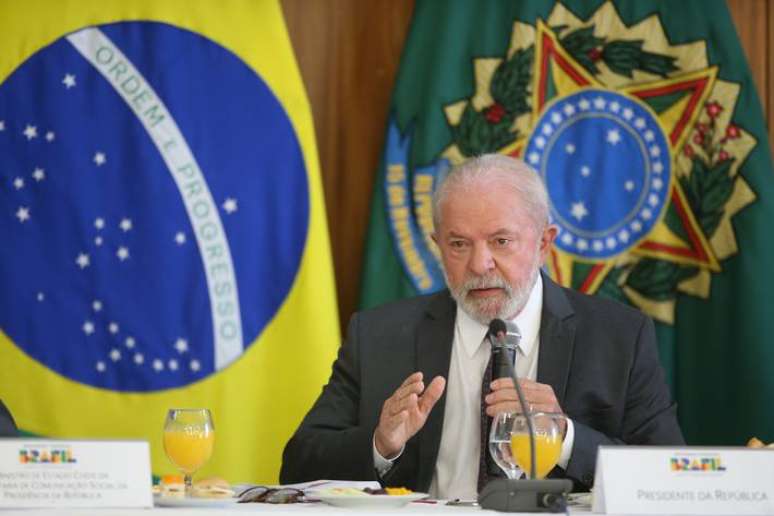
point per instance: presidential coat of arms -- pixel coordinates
(634, 139)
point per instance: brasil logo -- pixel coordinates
(633, 138)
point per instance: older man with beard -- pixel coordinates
(592, 359)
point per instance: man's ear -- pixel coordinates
(546, 240)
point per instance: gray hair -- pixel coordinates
(493, 167)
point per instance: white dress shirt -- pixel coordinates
(456, 469)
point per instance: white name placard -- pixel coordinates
(79, 473)
(689, 480)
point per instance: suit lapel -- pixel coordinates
(433, 351)
(557, 339)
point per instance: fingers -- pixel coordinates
(539, 397)
(431, 395)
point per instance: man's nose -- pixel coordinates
(481, 261)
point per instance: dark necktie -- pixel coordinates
(487, 467)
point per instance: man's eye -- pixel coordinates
(457, 244)
(502, 242)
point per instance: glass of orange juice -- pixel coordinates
(189, 436)
(548, 442)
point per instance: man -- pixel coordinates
(7, 424)
(404, 400)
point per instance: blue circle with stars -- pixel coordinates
(104, 277)
(606, 164)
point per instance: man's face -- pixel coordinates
(491, 249)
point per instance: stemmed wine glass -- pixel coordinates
(500, 444)
(509, 442)
(189, 437)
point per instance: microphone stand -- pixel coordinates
(506, 495)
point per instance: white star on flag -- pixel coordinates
(38, 174)
(655, 151)
(69, 81)
(88, 327)
(158, 365)
(100, 158)
(613, 136)
(599, 103)
(113, 328)
(50, 136)
(18, 183)
(569, 148)
(172, 365)
(83, 260)
(585, 171)
(98, 241)
(23, 214)
(101, 366)
(195, 365)
(615, 107)
(569, 109)
(122, 253)
(579, 210)
(41, 296)
(126, 224)
(649, 135)
(181, 345)
(657, 183)
(230, 205)
(639, 123)
(129, 342)
(534, 158)
(180, 238)
(30, 132)
(629, 185)
(628, 113)
(96, 305)
(115, 355)
(99, 223)
(2, 125)
(556, 117)
(584, 105)
(658, 167)
(139, 358)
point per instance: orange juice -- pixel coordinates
(547, 450)
(189, 448)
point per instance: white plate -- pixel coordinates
(190, 501)
(374, 501)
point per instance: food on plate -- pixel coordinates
(754, 442)
(353, 491)
(171, 486)
(213, 487)
(398, 491)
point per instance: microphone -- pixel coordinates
(507, 495)
(504, 339)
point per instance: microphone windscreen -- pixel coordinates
(497, 327)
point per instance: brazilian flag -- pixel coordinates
(643, 121)
(163, 227)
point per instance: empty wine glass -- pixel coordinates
(500, 444)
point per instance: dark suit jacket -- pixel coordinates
(599, 356)
(7, 425)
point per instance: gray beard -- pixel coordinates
(484, 310)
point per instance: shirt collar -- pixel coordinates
(472, 333)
